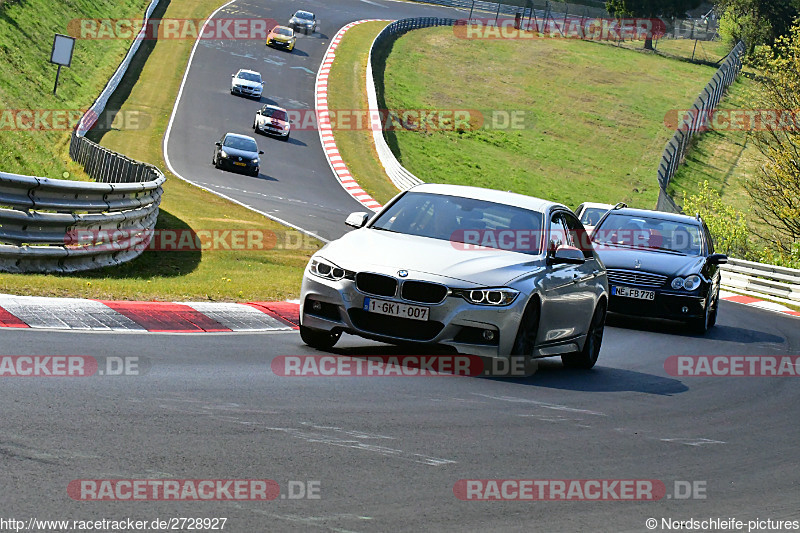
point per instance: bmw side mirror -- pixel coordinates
(356, 220)
(566, 255)
(260, 152)
(217, 143)
(717, 259)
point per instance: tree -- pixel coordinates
(775, 191)
(650, 9)
(728, 227)
(756, 22)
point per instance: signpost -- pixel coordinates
(61, 54)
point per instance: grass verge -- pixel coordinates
(224, 275)
(593, 115)
(346, 91)
(27, 78)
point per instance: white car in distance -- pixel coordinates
(247, 83)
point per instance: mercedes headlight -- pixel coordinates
(690, 283)
(497, 297)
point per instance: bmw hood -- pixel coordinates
(665, 263)
(301, 22)
(428, 259)
(247, 83)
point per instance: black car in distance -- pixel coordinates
(237, 152)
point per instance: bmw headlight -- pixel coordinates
(255, 161)
(490, 296)
(325, 269)
(223, 154)
(690, 283)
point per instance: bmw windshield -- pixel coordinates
(464, 220)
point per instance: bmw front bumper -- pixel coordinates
(339, 306)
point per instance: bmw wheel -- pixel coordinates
(587, 357)
(525, 340)
(321, 340)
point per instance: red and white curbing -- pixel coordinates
(756, 302)
(338, 166)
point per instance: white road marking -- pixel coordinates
(374, 4)
(543, 405)
(304, 68)
(693, 441)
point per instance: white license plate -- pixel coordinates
(383, 307)
(628, 292)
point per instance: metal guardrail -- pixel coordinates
(775, 283)
(694, 122)
(400, 176)
(53, 225)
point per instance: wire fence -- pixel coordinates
(694, 121)
(553, 16)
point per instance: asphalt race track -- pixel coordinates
(296, 183)
(385, 453)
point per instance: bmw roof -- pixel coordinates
(490, 195)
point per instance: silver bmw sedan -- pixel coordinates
(489, 273)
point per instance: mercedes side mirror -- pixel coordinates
(717, 259)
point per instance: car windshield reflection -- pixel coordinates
(464, 220)
(238, 143)
(650, 233)
(249, 76)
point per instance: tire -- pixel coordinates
(285, 139)
(255, 128)
(587, 357)
(702, 324)
(321, 340)
(525, 341)
(712, 320)
(215, 162)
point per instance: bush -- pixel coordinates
(727, 226)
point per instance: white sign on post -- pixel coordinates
(62, 50)
(61, 54)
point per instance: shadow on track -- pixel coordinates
(717, 333)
